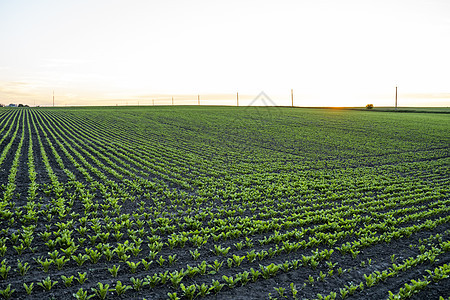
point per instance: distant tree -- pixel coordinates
(21, 105)
(369, 106)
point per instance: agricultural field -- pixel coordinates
(223, 203)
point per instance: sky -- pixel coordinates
(143, 52)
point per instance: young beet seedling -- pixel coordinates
(7, 292)
(67, 280)
(47, 283)
(82, 295)
(120, 288)
(280, 291)
(82, 277)
(28, 288)
(101, 291)
(138, 283)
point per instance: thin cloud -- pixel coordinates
(428, 95)
(62, 62)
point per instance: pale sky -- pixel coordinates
(331, 53)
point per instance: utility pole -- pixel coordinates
(292, 97)
(395, 97)
(53, 98)
(172, 100)
(153, 102)
(237, 98)
(198, 99)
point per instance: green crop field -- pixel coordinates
(224, 203)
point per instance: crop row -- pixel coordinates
(142, 203)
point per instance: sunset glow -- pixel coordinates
(331, 53)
